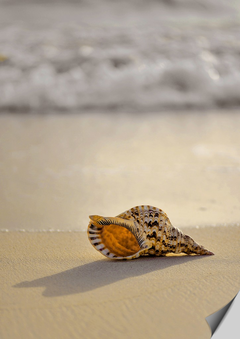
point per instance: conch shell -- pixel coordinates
(140, 231)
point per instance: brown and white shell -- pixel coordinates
(139, 231)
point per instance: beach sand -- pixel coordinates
(56, 170)
(55, 285)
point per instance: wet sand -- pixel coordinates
(56, 170)
(55, 285)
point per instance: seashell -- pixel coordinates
(139, 231)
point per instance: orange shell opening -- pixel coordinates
(119, 240)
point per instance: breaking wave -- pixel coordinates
(112, 55)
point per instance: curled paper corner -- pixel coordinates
(214, 320)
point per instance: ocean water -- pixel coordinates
(119, 55)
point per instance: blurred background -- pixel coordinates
(113, 55)
(106, 105)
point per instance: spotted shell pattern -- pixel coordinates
(140, 231)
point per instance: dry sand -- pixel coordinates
(55, 285)
(57, 170)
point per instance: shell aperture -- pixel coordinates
(140, 231)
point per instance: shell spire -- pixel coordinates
(185, 244)
(141, 230)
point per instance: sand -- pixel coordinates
(58, 169)
(55, 285)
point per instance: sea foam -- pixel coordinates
(168, 55)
